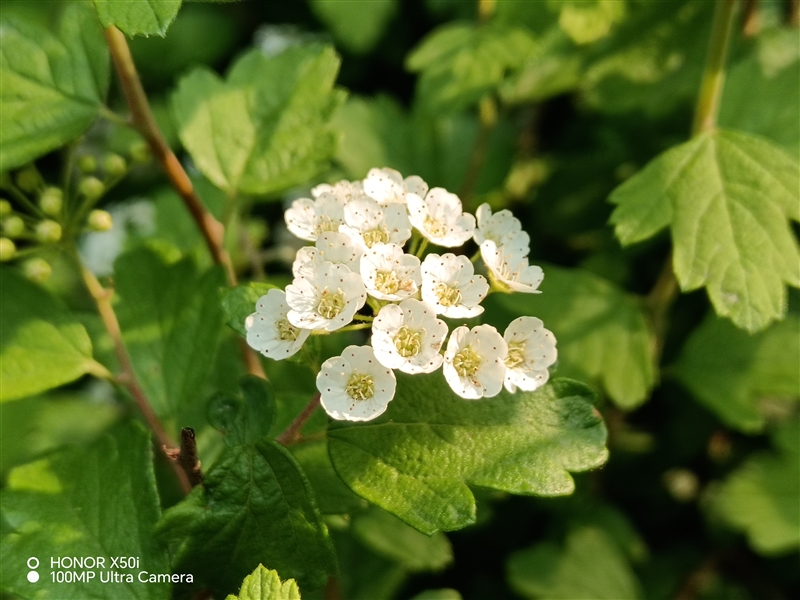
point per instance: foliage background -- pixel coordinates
(547, 108)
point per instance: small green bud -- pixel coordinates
(100, 220)
(13, 226)
(48, 232)
(7, 249)
(5, 208)
(28, 179)
(51, 200)
(92, 188)
(140, 152)
(87, 164)
(37, 270)
(114, 165)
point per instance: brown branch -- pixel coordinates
(186, 456)
(213, 231)
(751, 23)
(292, 432)
(102, 298)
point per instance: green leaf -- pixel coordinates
(240, 302)
(171, 321)
(602, 332)
(388, 536)
(333, 496)
(726, 197)
(265, 128)
(762, 91)
(256, 506)
(99, 501)
(152, 17)
(244, 420)
(762, 497)
(356, 25)
(53, 84)
(524, 443)
(442, 594)
(589, 565)
(730, 371)
(42, 345)
(363, 575)
(264, 584)
(460, 62)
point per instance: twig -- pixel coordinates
(213, 231)
(751, 23)
(292, 432)
(659, 301)
(186, 456)
(102, 298)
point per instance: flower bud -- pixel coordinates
(28, 179)
(114, 165)
(100, 220)
(92, 188)
(87, 164)
(48, 232)
(13, 226)
(140, 152)
(51, 201)
(37, 270)
(5, 208)
(7, 249)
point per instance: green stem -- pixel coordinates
(355, 327)
(708, 101)
(292, 433)
(476, 256)
(422, 246)
(23, 199)
(110, 115)
(365, 318)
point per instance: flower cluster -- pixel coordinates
(359, 230)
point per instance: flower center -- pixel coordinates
(373, 236)
(407, 342)
(326, 224)
(435, 227)
(516, 355)
(360, 386)
(386, 282)
(467, 362)
(448, 296)
(286, 331)
(331, 304)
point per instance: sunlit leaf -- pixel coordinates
(152, 17)
(264, 584)
(356, 25)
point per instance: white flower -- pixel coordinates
(408, 336)
(307, 218)
(343, 190)
(510, 270)
(367, 223)
(387, 186)
(503, 228)
(337, 248)
(450, 285)
(389, 273)
(355, 386)
(327, 299)
(439, 218)
(531, 349)
(473, 362)
(268, 329)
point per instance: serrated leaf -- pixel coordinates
(333, 496)
(265, 584)
(602, 332)
(246, 419)
(53, 83)
(730, 371)
(151, 17)
(356, 25)
(762, 497)
(255, 506)
(99, 501)
(418, 459)
(265, 128)
(460, 62)
(171, 321)
(589, 565)
(727, 197)
(240, 302)
(42, 345)
(388, 536)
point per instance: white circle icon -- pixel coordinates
(35, 560)
(33, 576)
